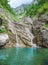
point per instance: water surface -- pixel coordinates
(24, 56)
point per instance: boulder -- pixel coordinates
(3, 39)
(28, 20)
(2, 27)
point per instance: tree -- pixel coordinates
(36, 7)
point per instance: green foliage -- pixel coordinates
(2, 30)
(37, 7)
(14, 17)
(6, 6)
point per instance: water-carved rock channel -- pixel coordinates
(23, 35)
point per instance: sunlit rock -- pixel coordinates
(3, 39)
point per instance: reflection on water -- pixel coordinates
(24, 56)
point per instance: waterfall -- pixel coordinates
(17, 43)
(31, 36)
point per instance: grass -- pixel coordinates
(44, 6)
(11, 14)
(14, 17)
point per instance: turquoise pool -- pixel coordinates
(24, 56)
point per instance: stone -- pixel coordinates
(3, 39)
(44, 34)
(44, 18)
(28, 20)
(2, 27)
(36, 27)
(41, 38)
(40, 32)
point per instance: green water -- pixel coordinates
(24, 56)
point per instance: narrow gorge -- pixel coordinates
(24, 32)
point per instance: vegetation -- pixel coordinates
(4, 4)
(2, 30)
(37, 7)
(46, 25)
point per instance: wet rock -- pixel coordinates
(20, 35)
(3, 39)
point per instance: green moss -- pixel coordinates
(46, 25)
(2, 30)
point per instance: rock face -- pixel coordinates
(3, 39)
(43, 18)
(22, 35)
(28, 20)
(17, 32)
(40, 32)
(44, 34)
(0, 21)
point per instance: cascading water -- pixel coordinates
(17, 44)
(31, 36)
(26, 32)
